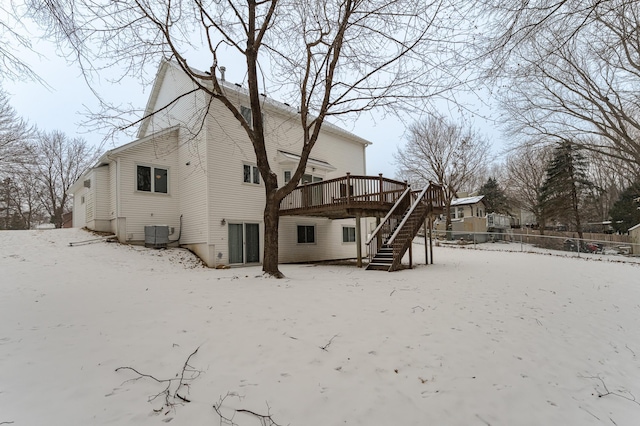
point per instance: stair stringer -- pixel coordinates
(407, 233)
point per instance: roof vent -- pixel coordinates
(87, 183)
(222, 71)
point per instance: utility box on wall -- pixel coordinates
(156, 236)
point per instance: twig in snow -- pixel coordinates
(171, 398)
(391, 294)
(416, 307)
(485, 422)
(6, 423)
(324, 348)
(607, 392)
(627, 346)
(265, 419)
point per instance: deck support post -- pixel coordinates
(411, 255)
(426, 244)
(431, 239)
(358, 241)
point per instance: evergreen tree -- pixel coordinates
(565, 183)
(625, 213)
(494, 197)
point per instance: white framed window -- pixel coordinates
(82, 199)
(306, 234)
(348, 234)
(248, 117)
(309, 178)
(246, 114)
(152, 179)
(287, 176)
(250, 174)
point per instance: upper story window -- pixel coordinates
(250, 174)
(152, 179)
(246, 114)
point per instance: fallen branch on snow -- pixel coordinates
(607, 392)
(265, 419)
(171, 397)
(324, 348)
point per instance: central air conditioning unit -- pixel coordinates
(156, 236)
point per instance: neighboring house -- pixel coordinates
(468, 207)
(469, 215)
(197, 174)
(634, 233)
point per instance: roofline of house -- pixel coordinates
(105, 158)
(273, 105)
(467, 200)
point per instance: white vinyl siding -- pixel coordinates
(143, 208)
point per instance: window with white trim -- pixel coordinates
(348, 234)
(306, 234)
(152, 179)
(250, 174)
(246, 114)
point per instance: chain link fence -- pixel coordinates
(519, 240)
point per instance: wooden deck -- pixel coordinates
(344, 197)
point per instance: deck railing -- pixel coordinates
(347, 191)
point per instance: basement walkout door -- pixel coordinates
(244, 243)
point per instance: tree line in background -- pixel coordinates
(559, 184)
(564, 74)
(36, 170)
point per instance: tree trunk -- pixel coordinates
(271, 226)
(575, 207)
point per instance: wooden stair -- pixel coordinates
(396, 242)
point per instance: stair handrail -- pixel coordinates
(383, 221)
(408, 215)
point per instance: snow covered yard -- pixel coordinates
(479, 338)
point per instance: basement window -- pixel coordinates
(306, 234)
(348, 234)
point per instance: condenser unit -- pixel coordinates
(156, 236)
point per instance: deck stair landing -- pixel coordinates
(393, 237)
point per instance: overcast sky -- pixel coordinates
(62, 105)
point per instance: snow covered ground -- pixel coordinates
(478, 338)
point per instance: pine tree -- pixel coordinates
(494, 197)
(625, 213)
(564, 185)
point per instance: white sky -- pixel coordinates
(61, 107)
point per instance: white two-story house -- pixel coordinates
(193, 168)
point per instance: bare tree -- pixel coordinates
(330, 58)
(571, 70)
(15, 134)
(444, 152)
(59, 162)
(21, 196)
(526, 169)
(13, 38)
